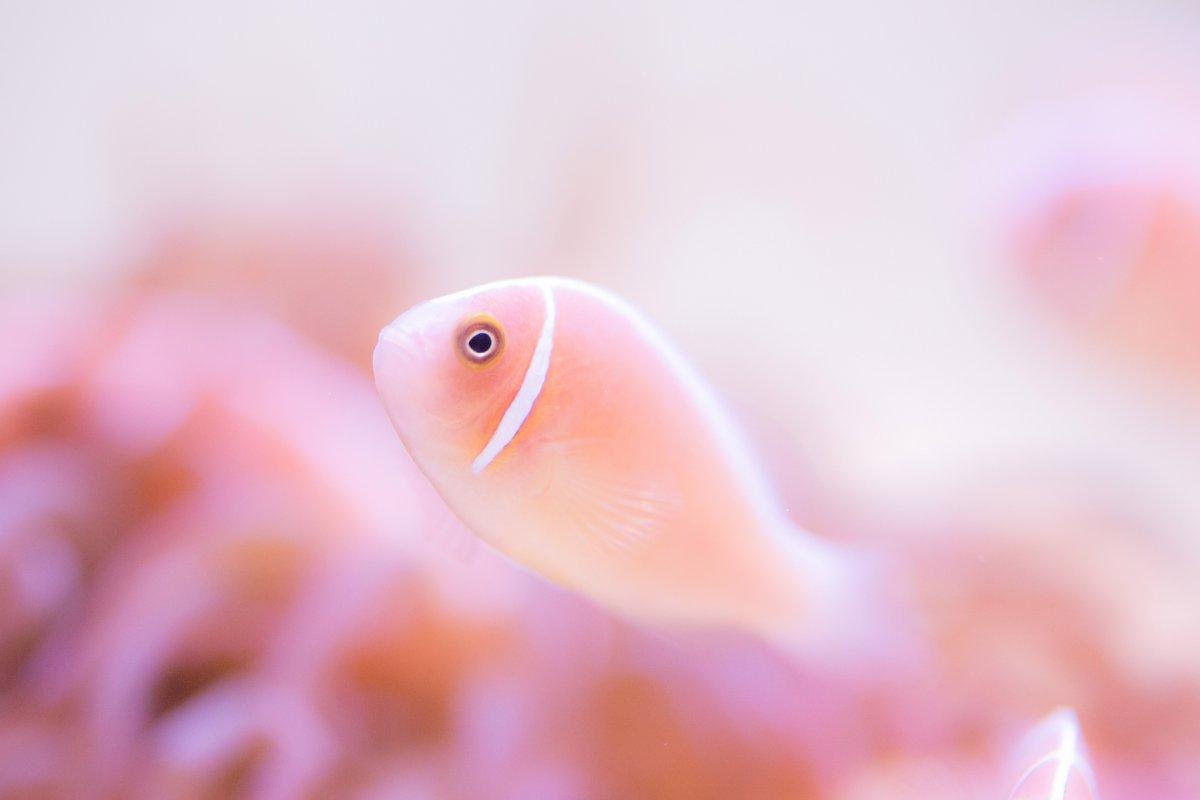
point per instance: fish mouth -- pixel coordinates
(399, 341)
(394, 353)
(393, 334)
(400, 366)
(409, 332)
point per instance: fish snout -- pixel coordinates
(398, 351)
(406, 338)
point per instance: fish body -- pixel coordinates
(565, 430)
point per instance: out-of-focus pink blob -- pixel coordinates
(336, 275)
(1100, 218)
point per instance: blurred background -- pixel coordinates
(942, 260)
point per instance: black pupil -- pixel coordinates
(480, 342)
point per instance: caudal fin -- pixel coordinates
(859, 614)
(1051, 763)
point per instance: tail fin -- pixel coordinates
(861, 614)
(1052, 762)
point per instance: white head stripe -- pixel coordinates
(535, 377)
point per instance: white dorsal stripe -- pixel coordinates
(531, 386)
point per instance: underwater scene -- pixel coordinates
(588, 401)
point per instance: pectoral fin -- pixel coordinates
(613, 512)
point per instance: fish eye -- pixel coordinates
(480, 340)
(481, 343)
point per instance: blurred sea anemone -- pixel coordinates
(224, 578)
